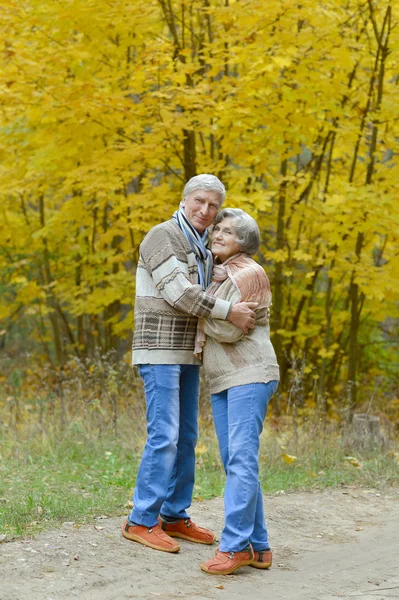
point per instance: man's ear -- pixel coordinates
(183, 203)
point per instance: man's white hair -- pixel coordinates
(209, 183)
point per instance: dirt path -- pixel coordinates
(327, 545)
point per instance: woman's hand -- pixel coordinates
(243, 316)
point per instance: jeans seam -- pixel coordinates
(246, 458)
(272, 385)
(178, 462)
(190, 371)
(154, 381)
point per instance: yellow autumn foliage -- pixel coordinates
(107, 108)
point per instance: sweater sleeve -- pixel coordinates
(166, 260)
(224, 331)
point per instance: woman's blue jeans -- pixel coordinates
(165, 479)
(238, 414)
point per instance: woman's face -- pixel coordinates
(224, 240)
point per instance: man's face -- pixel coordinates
(201, 208)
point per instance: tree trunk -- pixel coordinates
(278, 298)
(190, 165)
(48, 280)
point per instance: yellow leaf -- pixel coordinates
(201, 449)
(353, 461)
(288, 458)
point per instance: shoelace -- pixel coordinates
(187, 522)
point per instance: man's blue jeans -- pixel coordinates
(238, 414)
(165, 479)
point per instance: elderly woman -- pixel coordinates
(243, 374)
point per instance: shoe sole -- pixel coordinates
(258, 565)
(182, 536)
(136, 538)
(245, 563)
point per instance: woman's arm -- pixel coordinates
(223, 331)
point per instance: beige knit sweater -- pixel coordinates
(231, 358)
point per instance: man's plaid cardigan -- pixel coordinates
(169, 299)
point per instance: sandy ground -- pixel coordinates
(327, 545)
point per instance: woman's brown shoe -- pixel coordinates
(153, 537)
(225, 563)
(262, 559)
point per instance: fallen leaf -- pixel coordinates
(359, 529)
(220, 587)
(288, 458)
(201, 449)
(98, 527)
(353, 461)
(76, 557)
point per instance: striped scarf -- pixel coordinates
(198, 242)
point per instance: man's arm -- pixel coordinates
(165, 258)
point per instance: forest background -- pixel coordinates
(108, 107)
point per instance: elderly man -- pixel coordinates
(174, 269)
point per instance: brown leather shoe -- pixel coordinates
(153, 537)
(187, 530)
(262, 559)
(225, 563)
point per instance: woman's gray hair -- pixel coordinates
(246, 228)
(209, 183)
